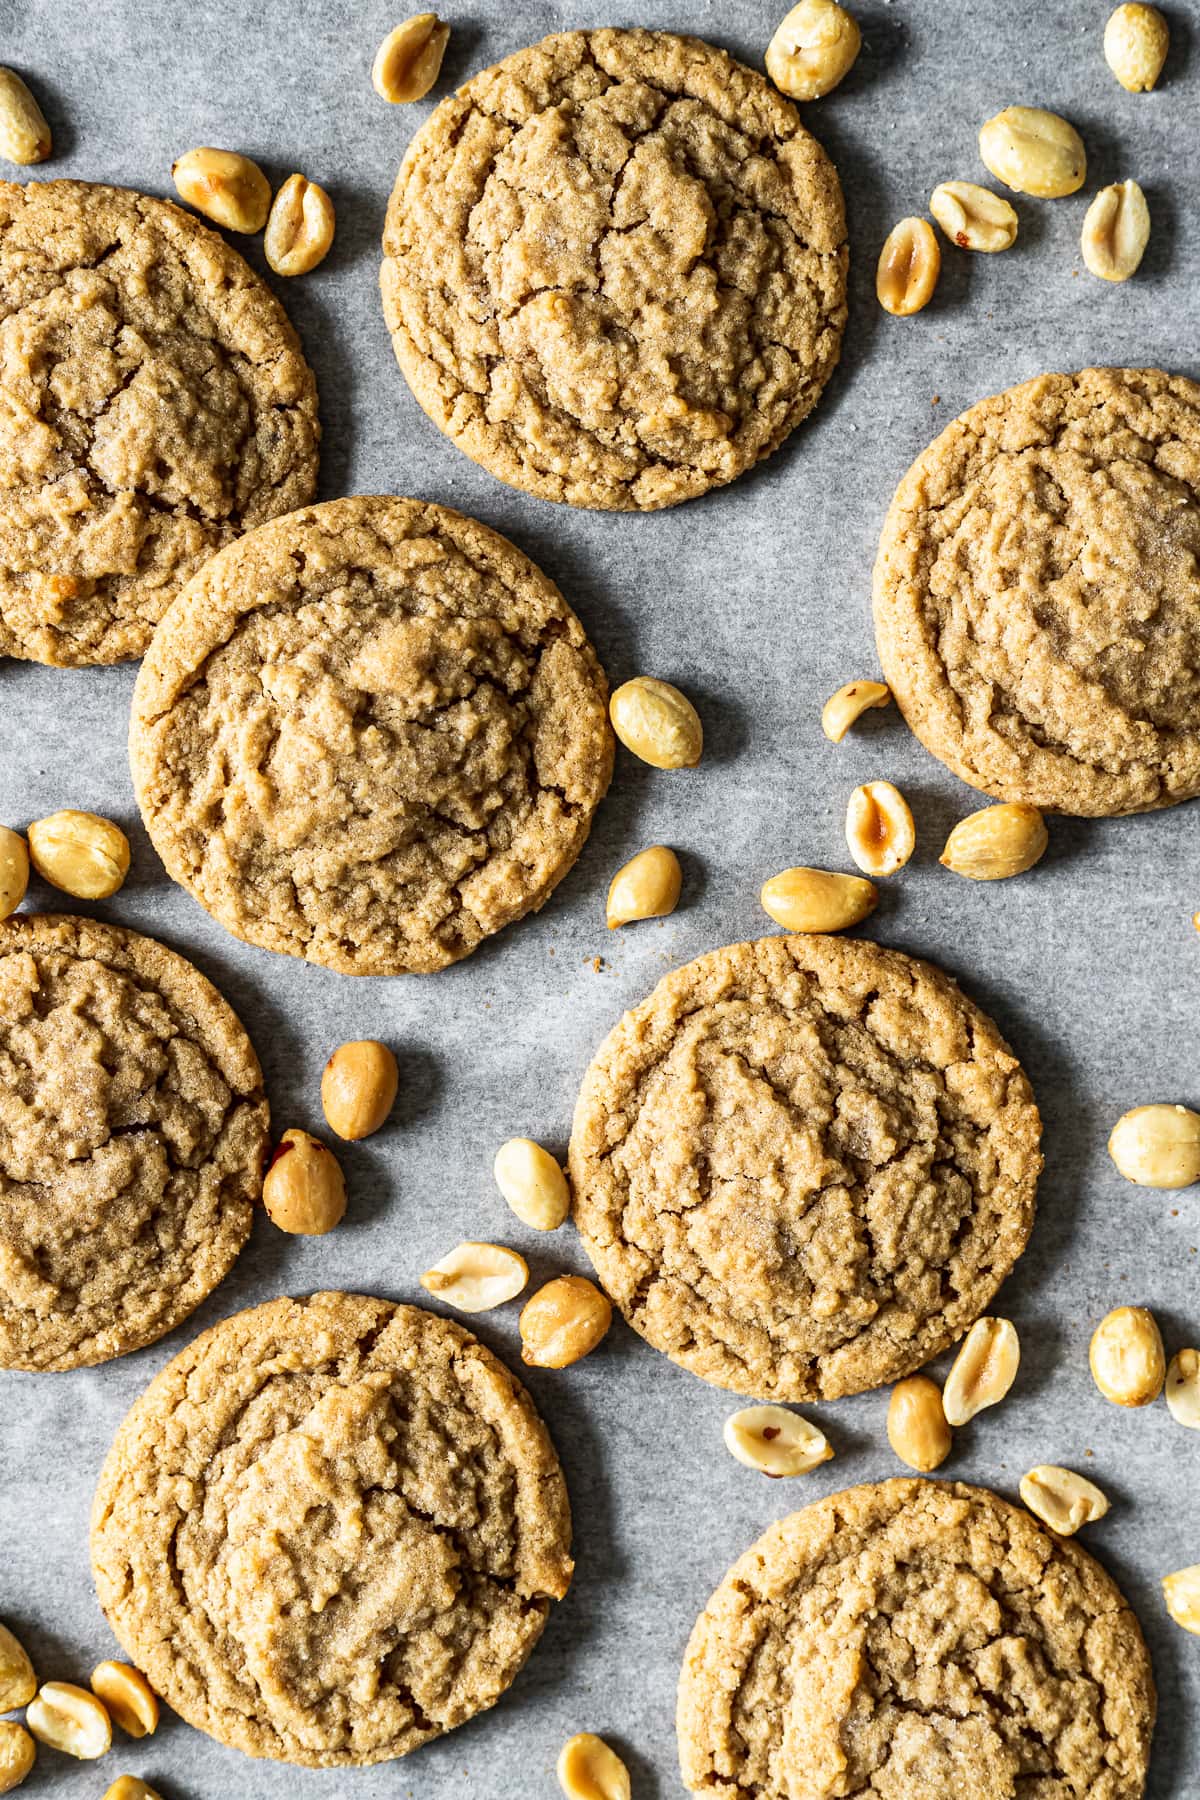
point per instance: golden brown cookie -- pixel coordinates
(370, 734)
(615, 268)
(154, 403)
(132, 1134)
(1037, 594)
(803, 1166)
(915, 1640)
(331, 1530)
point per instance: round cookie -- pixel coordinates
(362, 1518)
(133, 1129)
(1037, 601)
(154, 403)
(803, 1166)
(370, 734)
(615, 268)
(915, 1640)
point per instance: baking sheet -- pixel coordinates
(756, 601)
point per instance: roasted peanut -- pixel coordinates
(879, 828)
(1157, 1146)
(775, 1441)
(14, 871)
(909, 265)
(996, 842)
(358, 1088)
(842, 709)
(1136, 41)
(68, 1718)
(1034, 152)
(17, 1755)
(532, 1183)
(813, 49)
(1061, 1499)
(647, 887)
(225, 186)
(1182, 1594)
(24, 133)
(563, 1322)
(1183, 1388)
(984, 1369)
(303, 1190)
(128, 1697)
(815, 900)
(79, 852)
(973, 217)
(129, 1787)
(1126, 1357)
(300, 226)
(409, 60)
(916, 1424)
(588, 1770)
(476, 1277)
(1116, 230)
(658, 723)
(18, 1683)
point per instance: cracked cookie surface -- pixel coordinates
(132, 1133)
(913, 1640)
(154, 403)
(804, 1165)
(370, 734)
(331, 1530)
(1037, 593)
(615, 268)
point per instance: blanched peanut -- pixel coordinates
(18, 1753)
(973, 217)
(1183, 1388)
(68, 1718)
(775, 1441)
(225, 186)
(647, 887)
(14, 871)
(358, 1088)
(475, 1277)
(128, 1697)
(849, 703)
(563, 1322)
(1126, 1357)
(909, 265)
(815, 900)
(813, 49)
(80, 853)
(24, 133)
(1116, 230)
(1182, 1594)
(589, 1770)
(880, 833)
(300, 226)
(532, 1183)
(916, 1424)
(409, 60)
(1034, 152)
(658, 723)
(1061, 1499)
(18, 1683)
(129, 1787)
(303, 1190)
(984, 1369)
(1136, 41)
(1157, 1146)
(996, 842)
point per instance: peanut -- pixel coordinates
(563, 1322)
(80, 853)
(996, 842)
(14, 871)
(532, 1183)
(128, 1697)
(409, 60)
(813, 49)
(658, 723)
(358, 1088)
(879, 828)
(303, 1190)
(475, 1277)
(1183, 1388)
(1157, 1146)
(909, 265)
(18, 1753)
(1061, 1499)
(68, 1718)
(647, 887)
(1136, 41)
(588, 1770)
(24, 133)
(130, 1787)
(973, 217)
(1116, 230)
(984, 1369)
(300, 226)
(1034, 152)
(1126, 1357)
(775, 1441)
(815, 900)
(1182, 1594)
(225, 186)
(842, 709)
(916, 1424)
(18, 1683)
